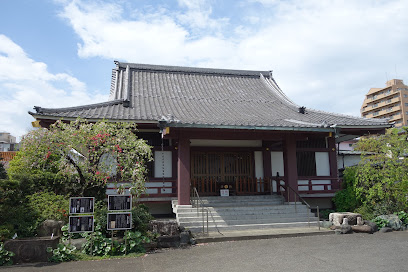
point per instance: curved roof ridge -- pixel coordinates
(89, 106)
(192, 70)
(272, 85)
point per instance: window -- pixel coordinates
(312, 143)
(389, 109)
(374, 105)
(306, 163)
(389, 100)
(406, 104)
(376, 113)
(405, 95)
(374, 97)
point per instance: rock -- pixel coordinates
(48, 227)
(168, 241)
(360, 221)
(78, 243)
(164, 227)
(345, 221)
(337, 218)
(394, 221)
(343, 229)
(193, 241)
(326, 224)
(362, 228)
(385, 229)
(373, 225)
(184, 238)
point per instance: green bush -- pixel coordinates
(24, 215)
(141, 218)
(3, 173)
(381, 223)
(23, 220)
(366, 212)
(403, 216)
(6, 231)
(324, 214)
(134, 242)
(49, 206)
(5, 256)
(346, 199)
(98, 245)
(63, 253)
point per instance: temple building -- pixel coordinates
(216, 129)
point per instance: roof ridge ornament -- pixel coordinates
(302, 110)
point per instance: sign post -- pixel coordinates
(82, 219)
(122, 218)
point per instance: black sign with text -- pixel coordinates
(119, 202)
(81, 223)
(81, 205)
(119, 221)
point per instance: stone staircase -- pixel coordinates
(244, 213)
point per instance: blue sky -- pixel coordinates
(325, 54)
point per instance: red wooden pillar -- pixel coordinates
(183, 172)
(267, 167)
(290, 165)
(334, 173)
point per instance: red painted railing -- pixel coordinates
(315, 185)
(168, 188)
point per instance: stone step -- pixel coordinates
(247, 209)
(241, 198)
(198, 221)
(224, 227)
(192, 216)
(242, 204)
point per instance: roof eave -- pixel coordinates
(51, 117)
(271, 128)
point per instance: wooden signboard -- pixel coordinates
(119, 202)
(83, 223)
(119, 221)
(81, 205)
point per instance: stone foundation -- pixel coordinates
(31, 250)
(337, 218)
(171, 235)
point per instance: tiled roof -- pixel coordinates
(202, 97)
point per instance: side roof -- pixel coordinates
(202, 97)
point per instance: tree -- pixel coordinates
(3, 173)
(379, 184)
(81, 157)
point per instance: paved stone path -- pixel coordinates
(351, 252)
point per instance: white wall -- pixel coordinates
(259, 171)
(322, 164)
(277, 163)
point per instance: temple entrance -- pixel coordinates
(211, 171)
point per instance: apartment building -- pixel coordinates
(7, 142)
(388, 102)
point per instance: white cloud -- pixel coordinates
(25, 83)
(323, 53)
